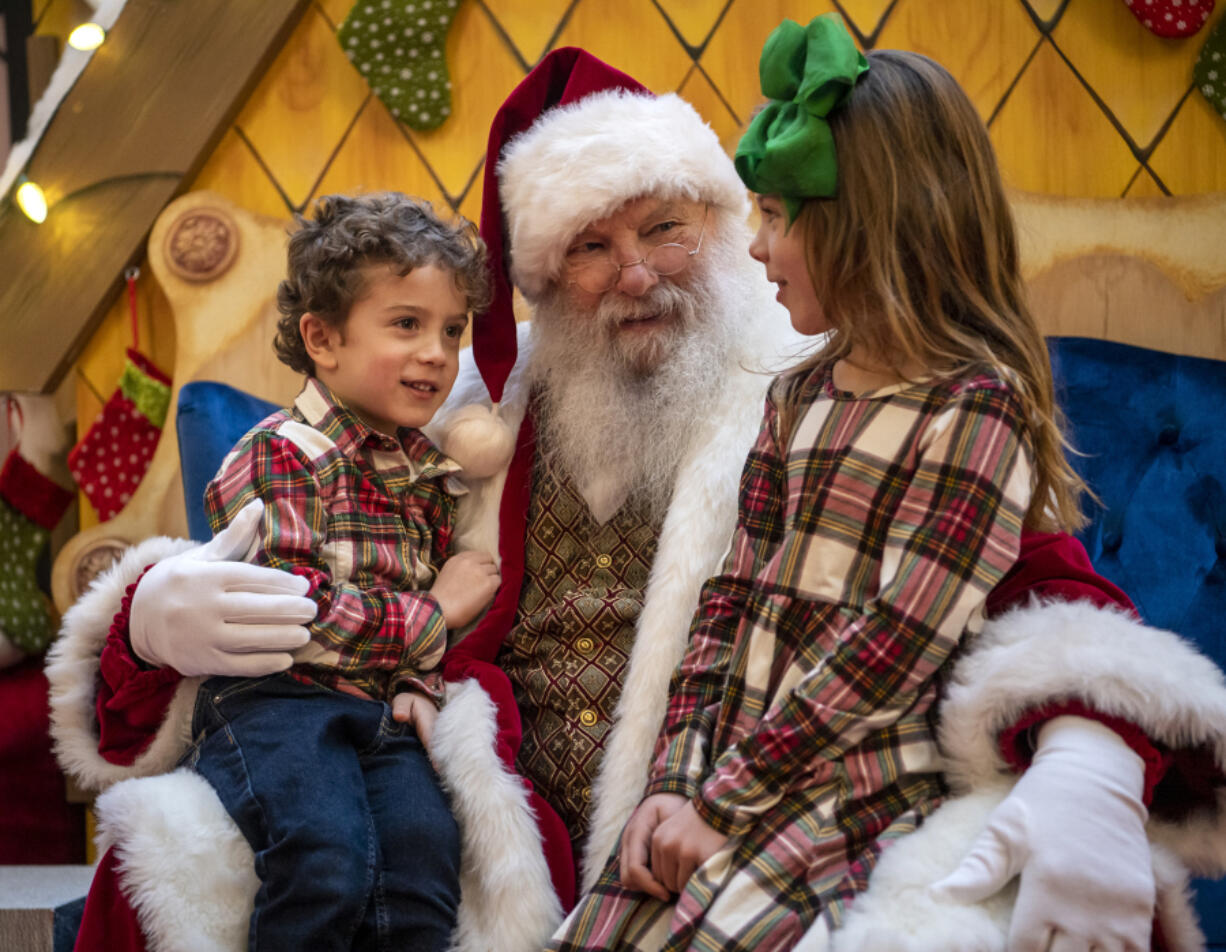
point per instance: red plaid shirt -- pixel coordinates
(367, 520)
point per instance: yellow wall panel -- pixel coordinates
(866, 14)
(300, 111)
(376, 156)
(957, 33)
(693, 19)
(631, 35)
(470, 207)
(529, 26)
(1191, 158)
(234, 171)
(55, 18)
(336, 10)
(1144, 186)
(483, 71)
(1140, 77)
(699, 93)
(731, 58)
(1052, 137)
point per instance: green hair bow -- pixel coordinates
(788, 149)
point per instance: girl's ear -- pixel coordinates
(321, 340)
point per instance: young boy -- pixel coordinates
(354, 840)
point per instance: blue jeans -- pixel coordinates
(354, 840)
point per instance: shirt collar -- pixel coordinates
(321, 409)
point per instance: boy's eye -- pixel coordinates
(407, 323)
(455, 331)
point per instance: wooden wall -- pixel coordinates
(1081, 100)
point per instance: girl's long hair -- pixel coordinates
(915, 260)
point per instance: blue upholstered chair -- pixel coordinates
(1154, 442)
(1152, 430)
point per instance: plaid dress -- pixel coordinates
(367, 520)
(801, 719)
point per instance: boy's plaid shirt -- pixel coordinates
(860, 557)
(367, 520)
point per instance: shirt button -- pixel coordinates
(587, 717)
(586, 793)
(585, 645)
(604, 561)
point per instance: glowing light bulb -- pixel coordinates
(88, 36)
(32, 201)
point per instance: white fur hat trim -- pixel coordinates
(583, 161)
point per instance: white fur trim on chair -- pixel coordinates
(72, 670)
(183, 863)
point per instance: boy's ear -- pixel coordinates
(320, 339)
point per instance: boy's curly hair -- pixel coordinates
(329, 255)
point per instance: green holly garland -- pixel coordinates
(398, 46)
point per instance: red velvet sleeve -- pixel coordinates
(1056, 566)
(132, 698)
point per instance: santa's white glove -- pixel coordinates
(201, 613)
(1074, 828)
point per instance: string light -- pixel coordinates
(31, 200)
(88, 36)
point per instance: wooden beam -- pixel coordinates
(130, 135)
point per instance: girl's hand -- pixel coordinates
(409, 707)
(680, 845)
(635, 870)
(465, 585)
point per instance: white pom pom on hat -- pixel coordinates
(478, 439)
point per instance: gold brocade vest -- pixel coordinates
(566, 656)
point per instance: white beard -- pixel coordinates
(617, 412)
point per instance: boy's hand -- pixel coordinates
(681, 844)
(465, 585)
(409, 707)
(635, 868)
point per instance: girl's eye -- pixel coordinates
(455, 331)
(407, 323)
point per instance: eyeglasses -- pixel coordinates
(599, 275)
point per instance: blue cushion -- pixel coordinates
(1151, 427)
(211, 418)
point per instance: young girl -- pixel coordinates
(883, 500)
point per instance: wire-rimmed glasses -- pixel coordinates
(663, 260)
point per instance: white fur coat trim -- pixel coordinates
(626, 145)
(1107, 658)
(72, 670)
